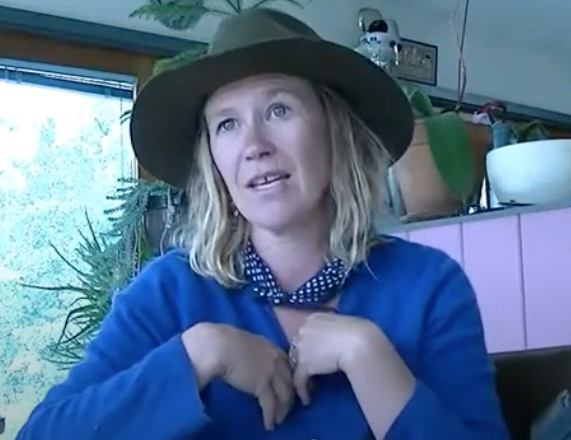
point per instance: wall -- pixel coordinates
(524, 63)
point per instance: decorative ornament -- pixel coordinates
(381, 41)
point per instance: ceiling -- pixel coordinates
(537, 25)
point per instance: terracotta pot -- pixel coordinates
(419, 186)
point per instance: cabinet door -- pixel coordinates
(546, 254)
(492, 261)
(447, 238)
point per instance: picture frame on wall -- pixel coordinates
(418, 62)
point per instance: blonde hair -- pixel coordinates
(214, 236)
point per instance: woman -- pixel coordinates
(283, 315)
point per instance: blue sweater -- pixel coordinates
(137, 383)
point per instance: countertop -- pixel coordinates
(391, 225)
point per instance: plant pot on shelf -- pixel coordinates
(536, 172)
(442, 171)
(421, 188)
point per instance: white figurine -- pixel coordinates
(381, 41)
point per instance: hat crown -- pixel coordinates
(257, 26)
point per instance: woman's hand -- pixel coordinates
(328, 343)
(246, 361)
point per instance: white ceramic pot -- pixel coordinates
(535, 172)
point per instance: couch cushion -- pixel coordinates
(528, 382)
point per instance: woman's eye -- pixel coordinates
(279, 110)
(226, 125)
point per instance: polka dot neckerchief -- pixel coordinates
(320, 289)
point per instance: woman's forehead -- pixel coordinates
(255, 87)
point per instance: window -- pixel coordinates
(62, 149)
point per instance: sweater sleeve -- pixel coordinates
(134, 373)
(455, 395)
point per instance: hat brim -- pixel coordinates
(166, 113)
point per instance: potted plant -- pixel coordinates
(443, 169)
(442, 172)
(106, 263)
(504, 132)
(525, 165)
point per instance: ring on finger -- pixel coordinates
(292, 353)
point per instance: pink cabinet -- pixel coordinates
(520, 267)
(546, 257)
(492, 252)
(489, 252)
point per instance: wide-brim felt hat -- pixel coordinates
(167, 112)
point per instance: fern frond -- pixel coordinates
(177, 15)
(196, 51)
(266, 3)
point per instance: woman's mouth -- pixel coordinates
(267, 179)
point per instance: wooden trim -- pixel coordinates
(31, 48)
(89, 33)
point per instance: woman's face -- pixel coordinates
(269, 141)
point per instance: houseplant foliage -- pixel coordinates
(106, 263)
(448, 142)
(185, 14)
(529, 131)
(505, 132)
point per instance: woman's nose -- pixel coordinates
(257, 144)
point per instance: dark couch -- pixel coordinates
(528, 382)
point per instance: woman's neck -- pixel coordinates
(293, 258)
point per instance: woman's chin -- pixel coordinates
(277, 222)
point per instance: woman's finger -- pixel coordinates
(284, 370)
(268, 403)
(301, 379)
(284, 392)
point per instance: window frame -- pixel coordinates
(40, 38)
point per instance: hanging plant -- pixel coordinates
(185, 14)
(106, 264)
(178, 15)
(194, 51)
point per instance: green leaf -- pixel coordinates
(235, 5)
(159, 11)
(420, 103)
(197, 50)
(450, 148)
(531, 131)
(126, 116)
(176, 15)
(266, 3)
